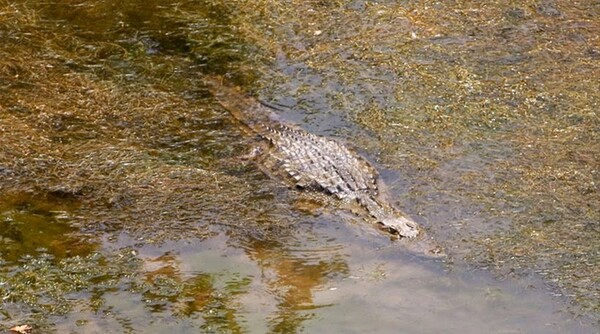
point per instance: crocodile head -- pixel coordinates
(402, 226)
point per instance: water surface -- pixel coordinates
(125, 205)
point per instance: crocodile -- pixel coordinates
(313, 162)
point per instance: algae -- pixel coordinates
(488, 111)
(485, 116)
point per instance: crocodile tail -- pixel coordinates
(238, 103)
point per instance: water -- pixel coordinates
(315, 281)
(125, 206)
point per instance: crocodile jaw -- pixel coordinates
(402, 226)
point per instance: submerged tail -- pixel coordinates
(239, 104)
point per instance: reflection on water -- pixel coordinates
(321, 276)
(218, 285)
(292, 272)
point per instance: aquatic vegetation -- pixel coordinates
(487, 111)
(482, 117)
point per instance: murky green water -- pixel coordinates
(125, 206)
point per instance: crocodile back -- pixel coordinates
(320, 163)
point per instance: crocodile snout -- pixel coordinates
(402, 226)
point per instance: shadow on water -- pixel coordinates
(41, 224)
(125, 206)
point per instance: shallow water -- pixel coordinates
(125, 205)
(322, 278)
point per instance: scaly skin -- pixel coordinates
(313, 162)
